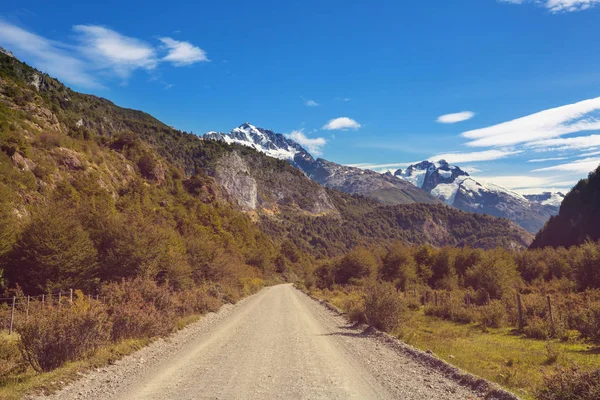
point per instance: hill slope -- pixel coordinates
(112, 193)
(329, 174)
(578, 219)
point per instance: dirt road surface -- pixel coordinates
(277, 344)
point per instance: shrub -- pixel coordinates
(491, 315)
(587, 321)
(383, 306)
(538, 328)
(11, 358)
(57, 335)
(571, 384)
(452, 308)
(140, 308)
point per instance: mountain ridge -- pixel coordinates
(425, 182)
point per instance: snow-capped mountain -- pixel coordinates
(272, 144)
(425, 182)
(458, 189)
(386, 189)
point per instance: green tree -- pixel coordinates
(496, 274)
(359, 263)
(54, 252)
(399, 266)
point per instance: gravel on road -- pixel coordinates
(276, 344)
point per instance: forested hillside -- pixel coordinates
(92, 193)
(578, 219)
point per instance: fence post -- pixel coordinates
(415, 291)
(468, 300)
(71, 296)
(487, 298)
(550, 312)
(435, 295)
(27, 309)
(43, 300)
(520, 311)
(12, 316)
(59, 297)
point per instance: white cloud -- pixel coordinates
(49, 56)
(96, 52)
(583, 166)
(546, 124)
(311, 103)
(183, 53)
(488, 155)
(518, 182)
(470, 169)
(574, 143)
(341, 123)
(558, 6)
(379, 167)
(456, 117)
(314, 146)
(110, 49)
(538, 160)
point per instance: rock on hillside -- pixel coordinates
(350, 180)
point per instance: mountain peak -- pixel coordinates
(272, 144)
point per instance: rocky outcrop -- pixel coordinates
(233, 175)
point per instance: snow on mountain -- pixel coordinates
(458, 189)
(547, 198)
(386, 189)
(272, 144)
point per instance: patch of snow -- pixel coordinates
(492, 187)
(416, 176)
(446, 192)
(554, 200)
(445, 174)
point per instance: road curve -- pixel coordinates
(277, 344)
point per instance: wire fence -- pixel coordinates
(20, 308)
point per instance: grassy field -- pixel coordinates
(500, 355)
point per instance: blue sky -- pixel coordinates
(360, 82)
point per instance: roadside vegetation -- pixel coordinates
(462, 305)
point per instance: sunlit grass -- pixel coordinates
(500, 355)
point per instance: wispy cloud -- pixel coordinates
(539, 160)
(583, 166)
(518, 182)
(183, 53)
(111, 50)
(571, 118)
(314, 146)
(378, 167)
(456, 117)
(342, 123)
(50, 56)
(558, 6)
(487, 155)
(97, 53)
(311, 103)
(561, 144)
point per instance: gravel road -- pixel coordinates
(277, 344)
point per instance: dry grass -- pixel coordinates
(500, 355)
